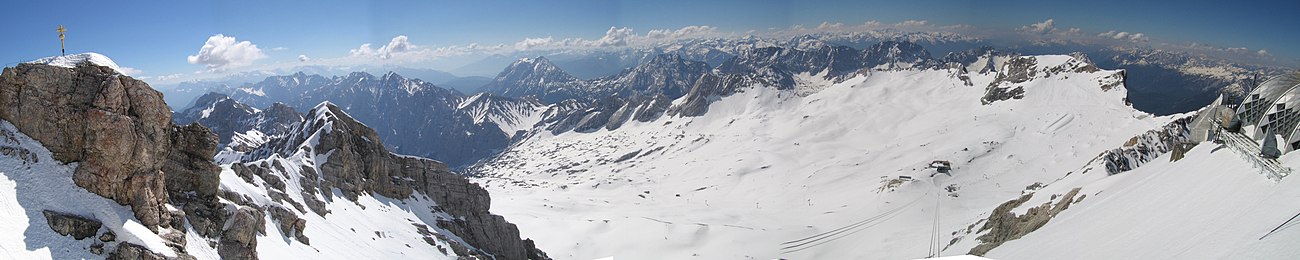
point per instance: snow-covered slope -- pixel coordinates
(766, 173)
(511, 115)
(71, 61)
(1211, 204)
(331, 190)
(32, 182)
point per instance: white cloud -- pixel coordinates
(399, 47)
(827, 26)
(1044, 27)
(169, 77)
(280, 48)
(221, 53)
(1264, 53)
(615, 37)
(684, 32)
(364, 50)
(530, 43)
(1126, 36)
(130, 71)
(913, 23)
(303, 58)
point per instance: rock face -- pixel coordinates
(120, 133)
(359, 164)
(1148, 146)
(1003, 225)
(239, 241)
(128, 251)
(117, 127)
(71, 225)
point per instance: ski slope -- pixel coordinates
(770, 173)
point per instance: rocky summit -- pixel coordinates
(116, 127)
(119, 141)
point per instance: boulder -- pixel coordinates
(239, 240)
(128, 251)
(72, 225)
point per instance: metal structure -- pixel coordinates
(62, 49)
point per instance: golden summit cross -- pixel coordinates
(62, 49)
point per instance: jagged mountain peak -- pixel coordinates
(540, 68)
(392, 76)
(210, 98)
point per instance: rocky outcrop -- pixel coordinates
(357, 163)
(1017, 70)
(1003, 225)
(115, 126)
(239, 240)
(1007, 84)
(72, 225)
(1148, 146)
(128, 251)
(119, 132)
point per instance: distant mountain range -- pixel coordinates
(535, 94)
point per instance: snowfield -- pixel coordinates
(819, 172)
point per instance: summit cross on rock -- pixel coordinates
(62, 49)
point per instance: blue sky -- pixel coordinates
(156, 37)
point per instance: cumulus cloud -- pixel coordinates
(530, 43)
(303, 58)
(827, 26)
(169, 77)
(1044, 27)
(615, 37)
(1264, 53)
(223, 52)
(913, 23)
(1126, 36)
(398, 47)
(130, 71)
(684, 32)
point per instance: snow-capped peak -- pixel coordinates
(71, 61)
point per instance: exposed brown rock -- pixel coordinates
(359, 164)
(72, 225)
(119, 131)
(239, 241)
(128, 251)
(1005, 226)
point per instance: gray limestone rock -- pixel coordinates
(72, 225)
